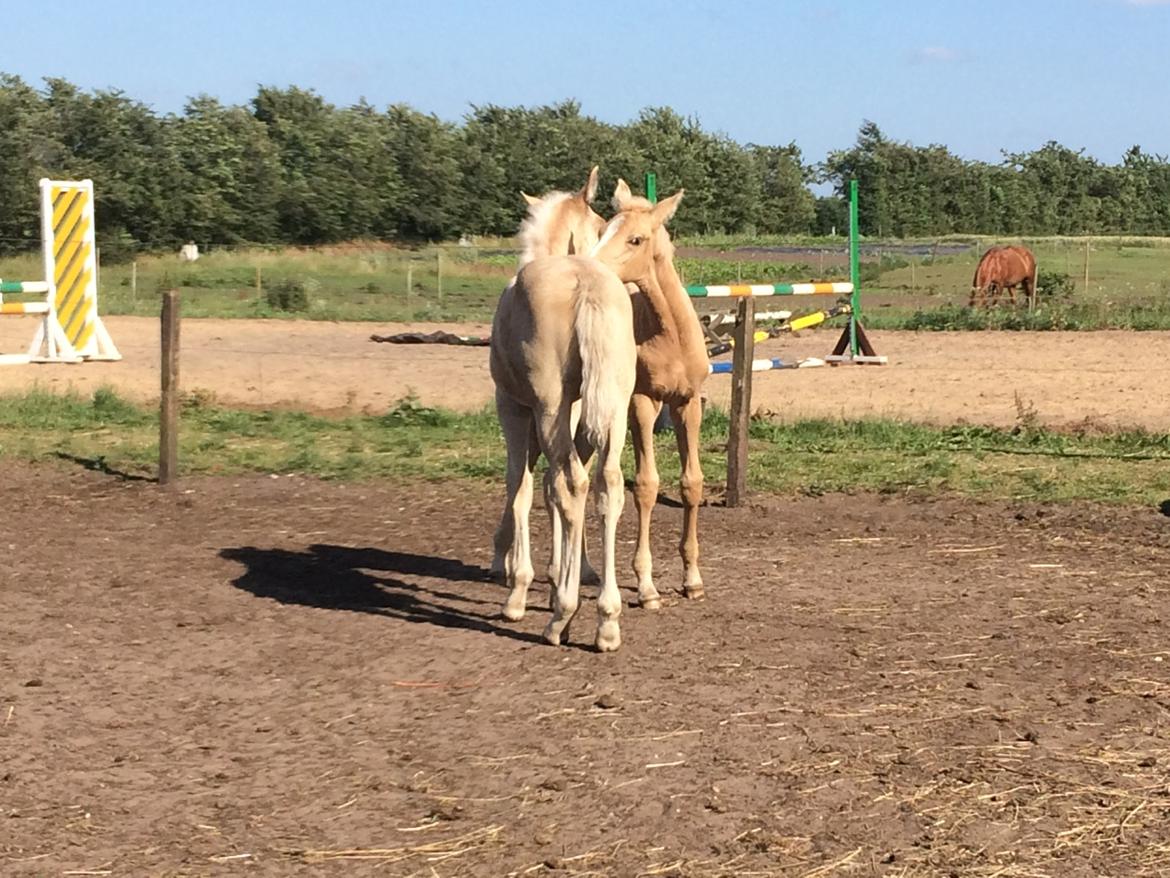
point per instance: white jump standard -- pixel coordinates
(71, 330)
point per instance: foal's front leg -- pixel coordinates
(688, 419)
(643, 414)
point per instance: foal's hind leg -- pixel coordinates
(610, 491)
(588, 574)
(568, 484)
(502, 541)
(518, 434)
(688, 420)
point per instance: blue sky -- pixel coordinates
(978, 76)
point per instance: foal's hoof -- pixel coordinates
(514, 613)
(609, 637)
(694, 593)
(654, 603)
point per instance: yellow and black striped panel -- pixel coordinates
(74, 262)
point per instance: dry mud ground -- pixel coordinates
(1110, 378)
(275, 676)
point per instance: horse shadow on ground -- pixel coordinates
(367, 580)
(98, 465)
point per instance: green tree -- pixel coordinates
(29, 149)
(127, 151)
(428, 155)
(786, 206)
(231, 174)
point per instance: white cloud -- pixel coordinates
(935, 55)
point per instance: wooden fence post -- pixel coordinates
(741, 401)
(168, 415)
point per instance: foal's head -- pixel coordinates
(635, 234)
(561, 223)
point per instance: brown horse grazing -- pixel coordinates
(1002, 269)
(672, 366)
(558, 224)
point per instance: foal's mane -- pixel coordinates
(535, 231)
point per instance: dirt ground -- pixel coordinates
(1114, 378)
(274, 676)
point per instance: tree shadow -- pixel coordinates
(367, 580)
(99, 465)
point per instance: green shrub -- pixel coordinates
(1054, 286)
(287, 295)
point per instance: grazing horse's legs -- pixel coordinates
(643, 414)
(687, 422)
(610, 490)
(991, 295)
(520, 438)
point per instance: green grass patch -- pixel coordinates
(416, 441)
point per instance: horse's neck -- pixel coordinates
(674, 300)
(660, 323)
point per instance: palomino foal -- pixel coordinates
(672, 366)
(558, 224)
(563, 332)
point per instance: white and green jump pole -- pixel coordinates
(853, 346)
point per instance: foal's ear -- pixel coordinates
(531, 199)
(664, 210)
(621, 195)
(589, 191)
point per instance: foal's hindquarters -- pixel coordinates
(563, 331)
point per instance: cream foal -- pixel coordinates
(558, 223)
(672, 366)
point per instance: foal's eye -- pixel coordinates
(636, 241)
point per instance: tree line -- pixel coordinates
(291, 168)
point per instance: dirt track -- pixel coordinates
(226, 680)
(1112, 378)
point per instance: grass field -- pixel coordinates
(810, 457)
(904, 286)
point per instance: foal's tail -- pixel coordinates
(605, 336)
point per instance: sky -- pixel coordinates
(979, 76)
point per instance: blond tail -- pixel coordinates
(605, 336)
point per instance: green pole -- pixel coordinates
(651, 186)
(854, 269)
